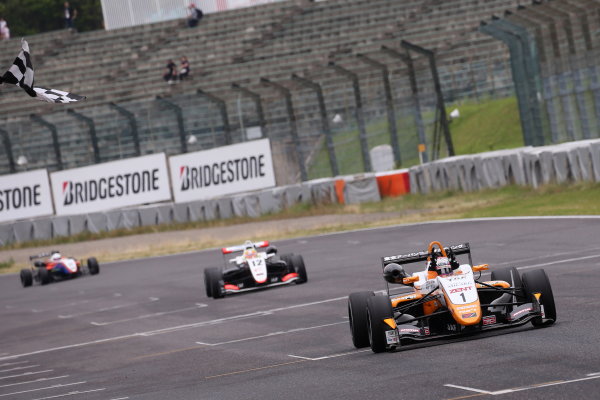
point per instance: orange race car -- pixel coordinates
(50, 267)
(447, 299)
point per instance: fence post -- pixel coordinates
(364, 144)
(389, 102)
(179, 116)
(324, 121)
(532, 74)
(438, 90)
(8, 149)
(258, 103)
(54, 134)
(293, 128)
(415, 98)
(92, 128)
(518, 72)
(133, 125)
(223, 110)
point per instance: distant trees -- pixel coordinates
(27, 17)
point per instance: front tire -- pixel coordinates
(512, 277)
(378, 309)
(288, 261)
(212, 279)
(26, 278)
(93, 266)
(298, 263)
(537, 281)
(357, 317)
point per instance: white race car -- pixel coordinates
(253, 270)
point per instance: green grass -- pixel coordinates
(5, 265)
(485, 126)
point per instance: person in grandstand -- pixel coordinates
(184, 69)
(69, 14)
(194, 15)
(170, 74)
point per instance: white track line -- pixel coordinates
(559, 262)
(26, 374)
(272, 334)
(70, 394)
(174, 328)
(18, 368)
(530, 387)
(14, 363)
(349, 353)
(35, 381)
(158, 314)
(59, 385)
(117, 307)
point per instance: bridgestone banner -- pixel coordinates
(224, 170)
(111, 185)
(25, 195)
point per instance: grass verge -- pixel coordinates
(577, 199)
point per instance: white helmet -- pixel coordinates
(55, 256)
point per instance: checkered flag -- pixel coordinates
(21, 74)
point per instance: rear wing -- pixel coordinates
(241, 247)
(463, 248)
(43, 255)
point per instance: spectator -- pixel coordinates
(69, 15)
(194, 15)
(4, 31)
(184, 69)
(170, 72)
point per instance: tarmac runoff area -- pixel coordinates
(144, 329)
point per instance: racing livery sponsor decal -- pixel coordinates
(25, 195)
(392, 337)
(469, 315)
(224, 170)
(519, 313)
(488, 320)
(111, 185)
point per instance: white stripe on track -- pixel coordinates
(59, 385)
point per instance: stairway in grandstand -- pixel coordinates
(124, 66)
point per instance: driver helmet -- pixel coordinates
(55, 256)
(443, 266)
(250, 252)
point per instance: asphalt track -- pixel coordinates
(144, 329)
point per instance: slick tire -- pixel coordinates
(537, 281)
(26, 278)
(298, 263)
(93, 266)
(213, 278)
(378, 309)
(44, 275)
(357, 317)
(288, 260)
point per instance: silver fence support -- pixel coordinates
(54, 134)
(222, 105)
(262, 122)
(92, 129)
(132, 124)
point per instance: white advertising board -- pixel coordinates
(224, 170)
(110, 185)
(25, 195)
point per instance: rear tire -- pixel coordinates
(537, 281)
(298, 264)
(378, 309)
(93, 266)
(26, 278)
(510, 275)
(357, 316)
(45, 277)
(212, 279)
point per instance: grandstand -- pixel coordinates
(123, 66)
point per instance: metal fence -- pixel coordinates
(323, 122)
(554, 61)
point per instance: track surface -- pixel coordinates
(144, 329)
